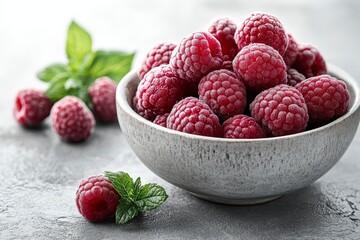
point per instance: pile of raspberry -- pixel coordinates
(252, 80)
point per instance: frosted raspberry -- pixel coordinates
(72, 120)
(96, 198)
(281, 110)
(102, 93)
(262, 28)
(294, 77)
(326, 97)
(242, 126)
(196, 55)
(31, 107)
(193, 116)
(260, 66)
(161, 119)
(223, 30)
(158, 91)
(223, 92)
(291, 51)
(309, 61)
(227, 65)
(158, 55)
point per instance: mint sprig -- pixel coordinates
(84, 66)
(135, 198)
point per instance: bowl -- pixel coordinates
(237, 171)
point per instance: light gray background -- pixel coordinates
(39, 174)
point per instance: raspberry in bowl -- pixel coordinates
(238, 171)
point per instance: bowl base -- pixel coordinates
(239, 202)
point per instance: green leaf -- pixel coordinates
(113, 64)
(56, 90)
(137, 187)
(150, 197)
(125, 211)
(54, 73)
(78, 44)
(122, 183)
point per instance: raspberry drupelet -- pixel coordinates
(294, 77)
(161, 119)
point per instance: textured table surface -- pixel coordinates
(39, 174)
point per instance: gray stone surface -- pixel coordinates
(39, 174)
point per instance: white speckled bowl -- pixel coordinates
(237, 171)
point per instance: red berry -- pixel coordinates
(223, 30)
(242, 126)
(281, 110)
(262, 28)
(31, 107)
(72, 120)
(158, 55)
(294, 77)
(161, 119)
(96, 198)
(142, 112)
(309, 61)
(196, 55)
(260, 66)
(291, 51)
(158, 91)
(102, 93)
(223, 92)
(227, 65)
(326, 97)
(193, 116)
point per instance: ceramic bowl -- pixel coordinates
(237, 171)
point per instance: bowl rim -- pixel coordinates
(332, 70)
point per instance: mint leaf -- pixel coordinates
(78, 44)
(113, 64)
(56, 90)
(53, 73)
(122, 183)
(137, 187)
(125, 211)
(150, 197)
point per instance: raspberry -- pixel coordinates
(262, 28)
(261, 66)
(242, 126)
(291, 51)
(102, 93)
(158, 91)
(161, 119)
(309, 61)
(223, 30)
(96, 198)
(326, 97)
(72, 120)
(281, 110)
(223, 92)
(294, 77)
(31, 107)
(227, 65)
(196, 55)
(193, 116)
(158, 55)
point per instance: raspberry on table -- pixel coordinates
(96, 198)
(102, 93)
(326, 97)
(294, 77)
(242, 126)
(31, 107)
(291, 51)
(223, 30)
(161, 119)
(261, 66)
(193, 116)
(309, 61)
(262, 28)
(72, 120)
(158, 55)
(196, 55)
(158, 91)
(281, 110)
(223, 92)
